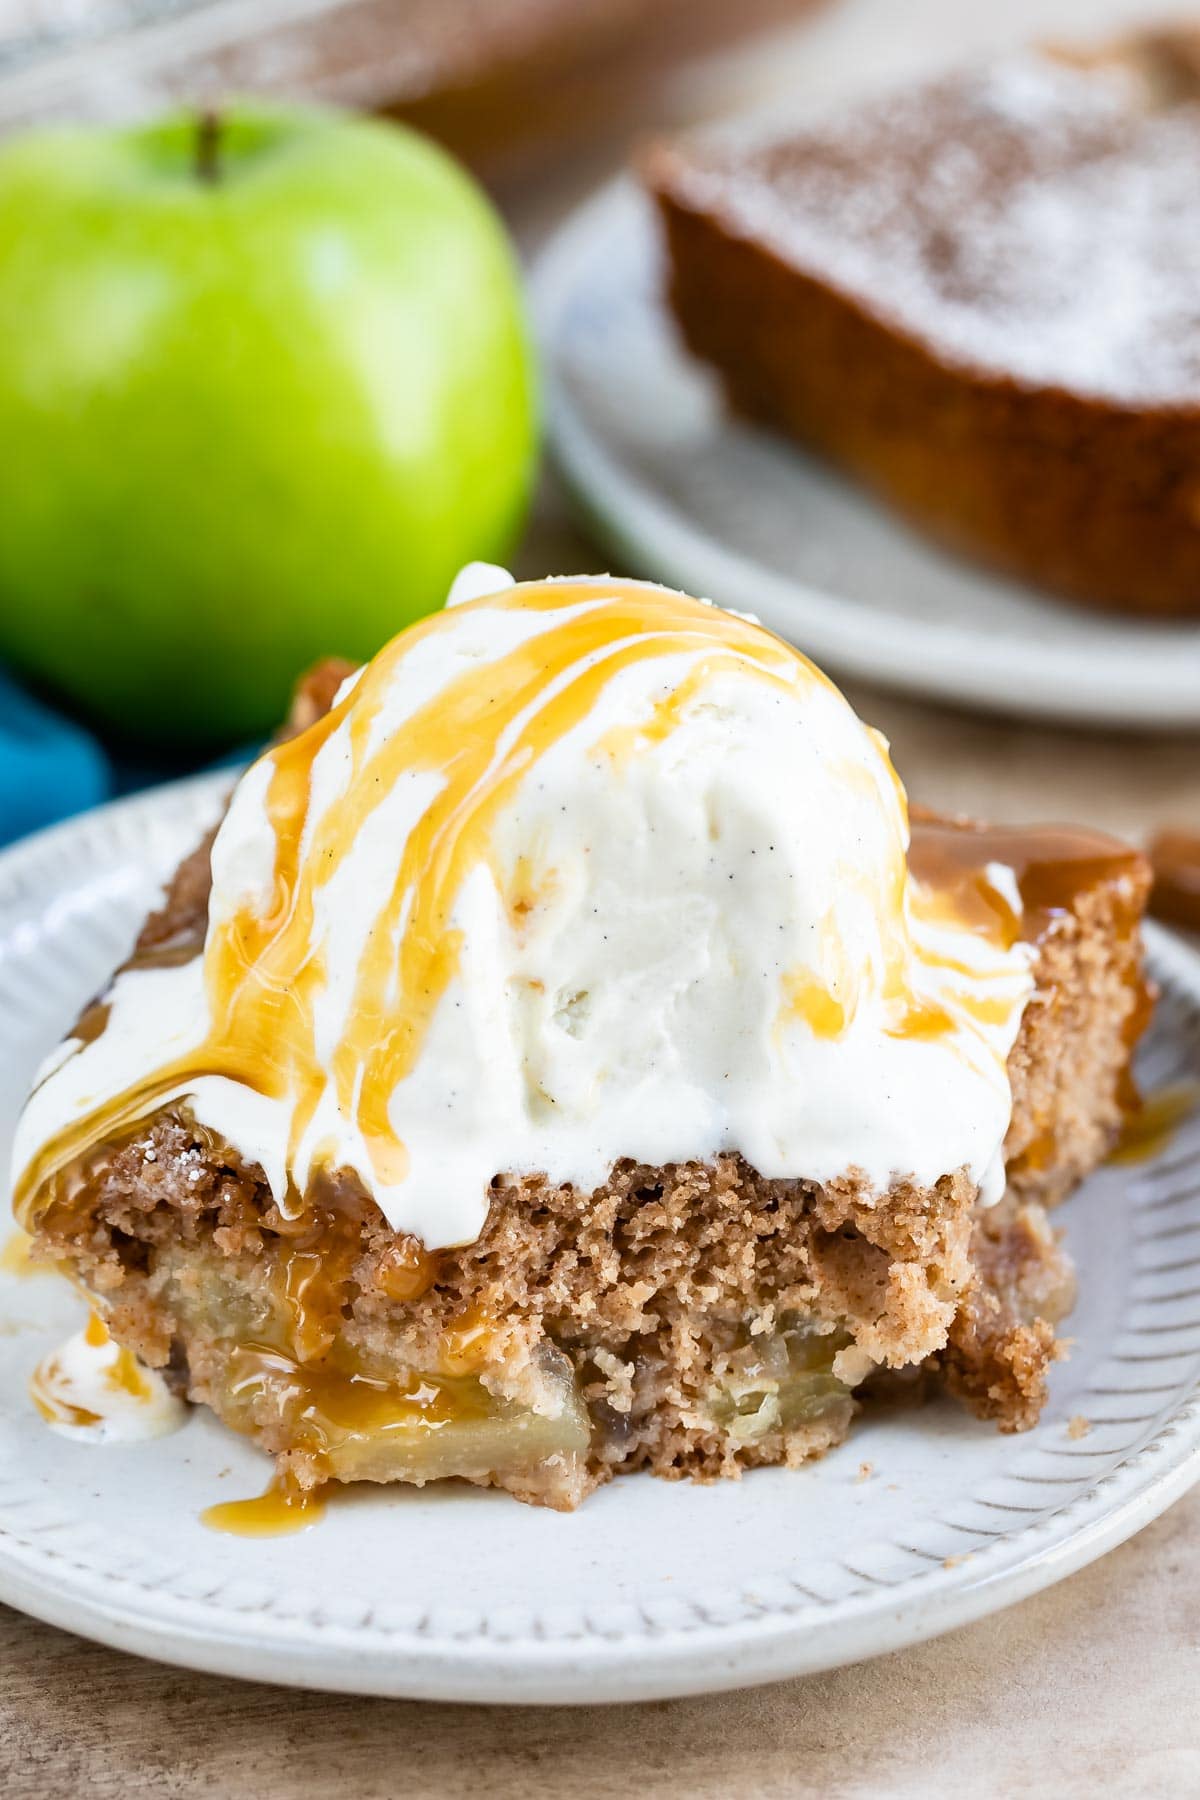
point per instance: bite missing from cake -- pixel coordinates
(558, 1066)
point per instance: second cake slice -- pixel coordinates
(979, 297)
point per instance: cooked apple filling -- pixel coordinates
(422, 1427)
(779, 1381)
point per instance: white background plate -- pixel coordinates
(683, 491)
(652, 1588)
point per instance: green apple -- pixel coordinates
(265, 384)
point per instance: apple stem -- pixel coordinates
(208, 135)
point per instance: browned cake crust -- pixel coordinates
(978, 297)
(704, 1319)
(1002, 1339)
(1083, 896)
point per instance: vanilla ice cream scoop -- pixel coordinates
(573, 871)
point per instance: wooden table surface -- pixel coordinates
(1089, 1688)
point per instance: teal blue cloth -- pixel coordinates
(50, 767)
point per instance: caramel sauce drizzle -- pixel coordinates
(313, 1264)
(285, 1507)
(806, 997)
(1052, 865)
(1150, 1128)
(336, 1401)
(827, 1002)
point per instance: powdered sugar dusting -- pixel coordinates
(1029, 220)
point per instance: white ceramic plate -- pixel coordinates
(683, 491)
(651, 1588)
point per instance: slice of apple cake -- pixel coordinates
(559, 1063)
